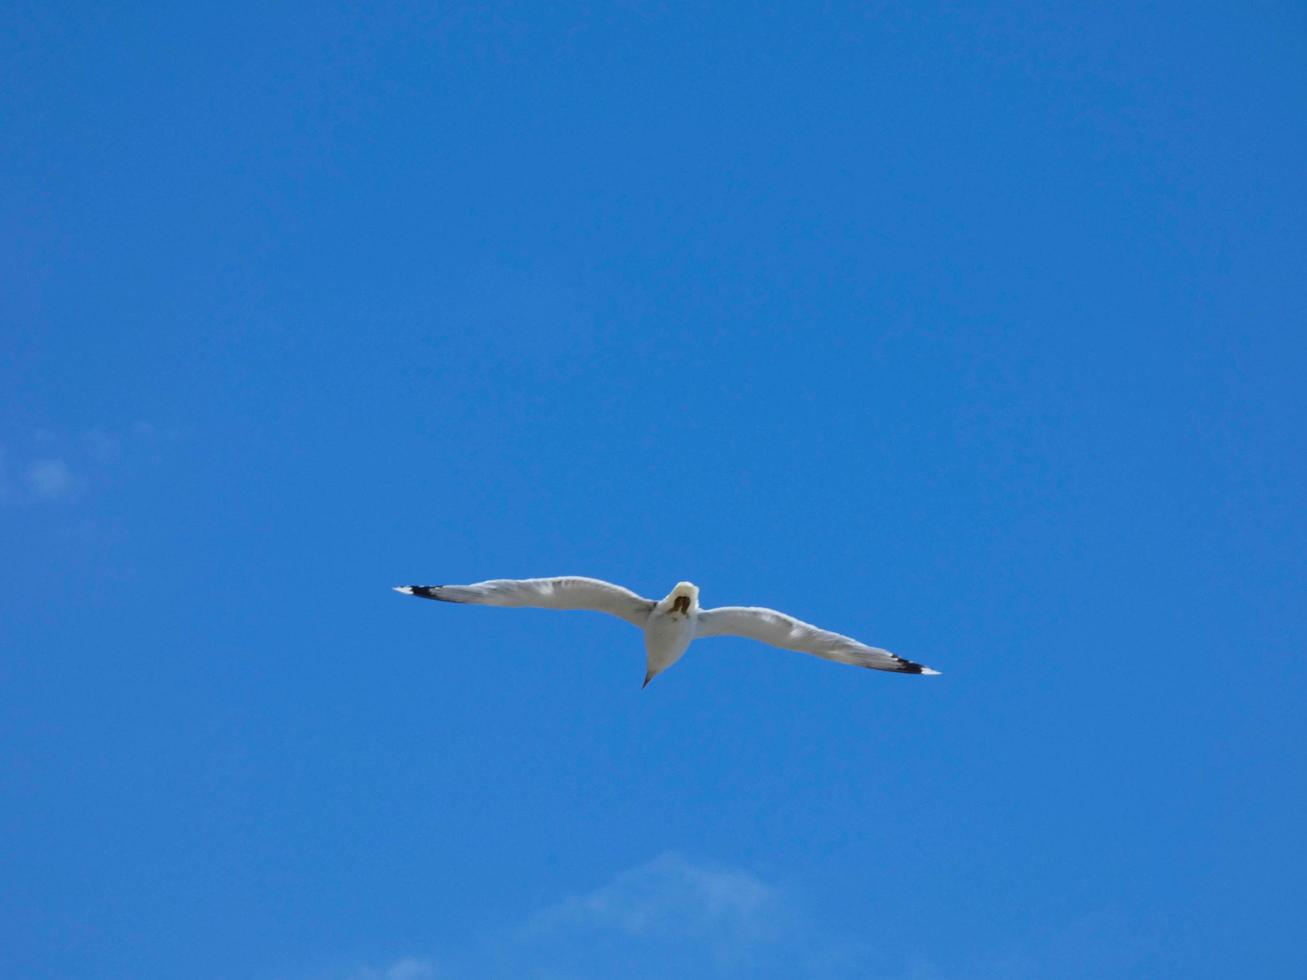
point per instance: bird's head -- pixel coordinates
(684, 597)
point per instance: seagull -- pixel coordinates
(671, 624)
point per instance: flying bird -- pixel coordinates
(671, 624)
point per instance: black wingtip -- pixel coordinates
(902, 666)
(421, 591)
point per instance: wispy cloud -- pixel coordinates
(672, 897)
(677, 917)
(671, 916)
(49, 479)
(59, 466)
(409, 968)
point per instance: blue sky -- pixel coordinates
(975, 332)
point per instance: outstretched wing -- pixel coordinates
(543, 593)
(788, 633)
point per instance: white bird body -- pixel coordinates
(671, 624)
(670, 629)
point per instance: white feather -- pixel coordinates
(779, 630)
(569, 592)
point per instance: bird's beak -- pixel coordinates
(648, 676)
